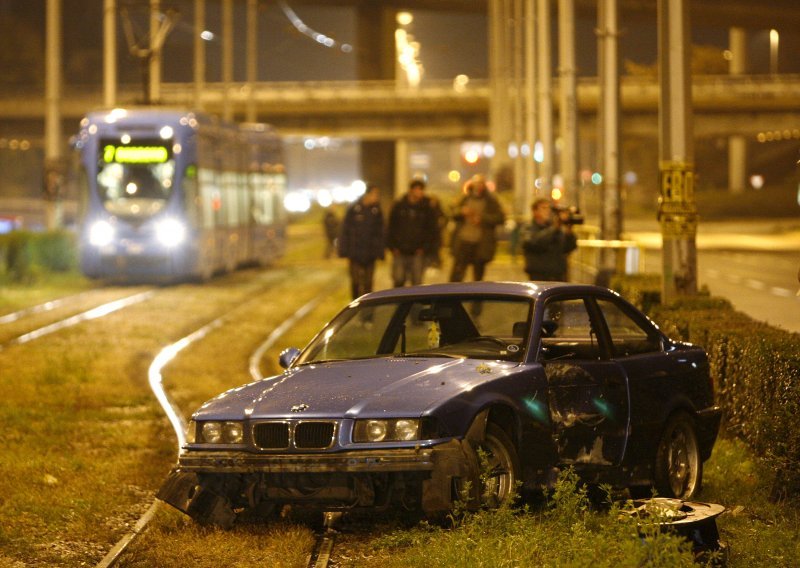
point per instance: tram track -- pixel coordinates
(167, 354)
(72, 306)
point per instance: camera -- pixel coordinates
(569, 215)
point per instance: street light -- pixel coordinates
(773, 51)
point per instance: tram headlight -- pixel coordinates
(101, 233)
(170, 232)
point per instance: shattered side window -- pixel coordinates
(627, 336)
(568, 332)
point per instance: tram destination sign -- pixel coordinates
(136, 152)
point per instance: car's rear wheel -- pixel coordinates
(679, 469)
(498, 467)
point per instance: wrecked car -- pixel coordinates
(423, 396)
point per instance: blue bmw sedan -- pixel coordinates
(423, 396)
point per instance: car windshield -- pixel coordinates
(443, 326)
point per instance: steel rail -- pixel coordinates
(94, 313)
(178, 423)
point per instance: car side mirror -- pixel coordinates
(287, 357)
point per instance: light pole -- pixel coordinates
(774, 37)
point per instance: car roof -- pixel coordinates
(534, 289)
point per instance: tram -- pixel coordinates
(171, 195)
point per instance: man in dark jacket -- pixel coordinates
(412, 234)
(546, 242)
(361, 239)
(474, 240)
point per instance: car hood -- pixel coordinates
(374, 387)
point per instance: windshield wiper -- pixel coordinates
(430, 354)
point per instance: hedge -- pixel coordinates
(24, 255)
(756, 370)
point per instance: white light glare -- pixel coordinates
(296, 202)
(165, 132)
(101, 234)
(170, 232)
(207, 35)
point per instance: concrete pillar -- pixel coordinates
(401, 167)
(109, 53)
(375, 27)
(544, 78)
(531, 171)
(737, 144)
(154, 86)
(53, 161)
(611, 217)
(568, 106)
(521, 184)
(252, 58)
(499, 102)
(227, 58)
(199, 53)
(677, 210)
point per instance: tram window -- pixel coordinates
(194, 210)
(210, 198)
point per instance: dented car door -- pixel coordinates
(587, 390)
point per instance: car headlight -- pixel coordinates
(101, 233)
(170, 232)
(221, 433)
(397, 430)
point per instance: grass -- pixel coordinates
(85, 447)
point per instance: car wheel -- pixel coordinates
(498, 469)
(679, 469)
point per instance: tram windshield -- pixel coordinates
(135, 180)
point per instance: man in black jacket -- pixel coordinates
(412, 234)
(547, 242)
(361, 239)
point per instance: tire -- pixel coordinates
(678, 467)
(499, 473)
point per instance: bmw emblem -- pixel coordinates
(299, 407)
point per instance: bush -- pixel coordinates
(24, 254)
(756, 369)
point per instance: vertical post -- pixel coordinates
(227, 58)
(199, 53)
(737, 144)
(401, 177)
(154, 94)
(677, 210)
(530, 106)
(520, 182)
(109, 53)
(611, 218)
(53, 173)
(545, 92)
(252, 58)
(568, 109)
(499, 117)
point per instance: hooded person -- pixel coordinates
(474, 240)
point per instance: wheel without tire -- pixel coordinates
(499, 473)
(678, 468)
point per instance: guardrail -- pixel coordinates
(586, 261)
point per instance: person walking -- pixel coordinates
(546, 243)
(474, 241)
(411, 235)
(330, 222)
(361, 239)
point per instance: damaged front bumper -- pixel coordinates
(211, 486)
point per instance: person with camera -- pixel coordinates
(547, 241)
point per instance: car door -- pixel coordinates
(587, 390)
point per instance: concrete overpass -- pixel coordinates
(380, 110)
